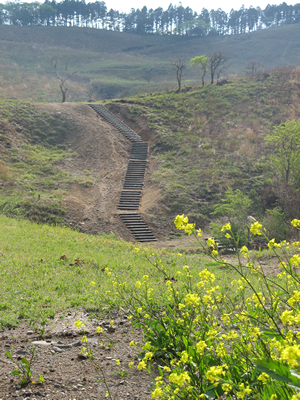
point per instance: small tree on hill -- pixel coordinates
(285, 144)
(62, 76)
(179, 66)
(216, 64)
(202, 63)
(252, 67)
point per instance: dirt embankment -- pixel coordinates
(102, 152)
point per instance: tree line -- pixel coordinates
(177, 20)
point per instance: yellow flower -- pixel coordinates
(145, 277)
(136, 250)
(107, 393)
(157, 393)
(226, 227)
(214, 373)
(133, 344)
(296, 223)
(256, 228)
(228, 236)
(211, 242)
(243, 391)
(93, 284)
(295, 260)
(263, 377)
(291, 354)
(99, 329)
(141, 365)
(139, 310)
(226, 387)
(179, 255)
(138, 285)
(118, 362)
(245, 252)
(199, 232)
(111, 323)
(192, 299)
(79, 324)
(181, 223)
(295, 298)
(148, 356)
(200, 346)
(131, 364)
(179, 379)
(96, 291)
(84, 339)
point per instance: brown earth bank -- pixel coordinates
(102, 151)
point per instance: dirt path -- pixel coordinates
(68, 374)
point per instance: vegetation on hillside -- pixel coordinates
(213, 138)
(117, 64)
(31, 142)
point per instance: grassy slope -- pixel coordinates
(31, 141)
(112, 64)
(213, 138)
(37, 283)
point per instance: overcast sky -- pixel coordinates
(121, 5)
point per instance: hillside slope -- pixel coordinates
(212, 139)
(113, 64)
(76, 180)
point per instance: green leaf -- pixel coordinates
(41, 378)
(213, 263)
(160, 372)
(185, 341)
(16, 372)
(24, 361)
(8, 354)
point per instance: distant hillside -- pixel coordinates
(113, 64)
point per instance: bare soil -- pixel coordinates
(67, 373)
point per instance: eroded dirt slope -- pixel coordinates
(103, 152)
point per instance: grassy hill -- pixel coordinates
(113, 64)
(212, 139)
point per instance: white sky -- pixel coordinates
(195, 5)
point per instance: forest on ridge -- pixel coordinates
(177, 20)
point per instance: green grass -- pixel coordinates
(211, 139)
(32, 142)
(109, 66)
(36, 283)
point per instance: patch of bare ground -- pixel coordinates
(67, 372)
(100, 165)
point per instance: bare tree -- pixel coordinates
(63, 77)
(179, 65)
(148, 74)
(216, 64)
(252, 67)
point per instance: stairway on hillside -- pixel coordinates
(134, 179)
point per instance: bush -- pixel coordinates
(275, 224)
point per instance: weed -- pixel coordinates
(23, 368)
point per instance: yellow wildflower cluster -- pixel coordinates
(182, 223)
